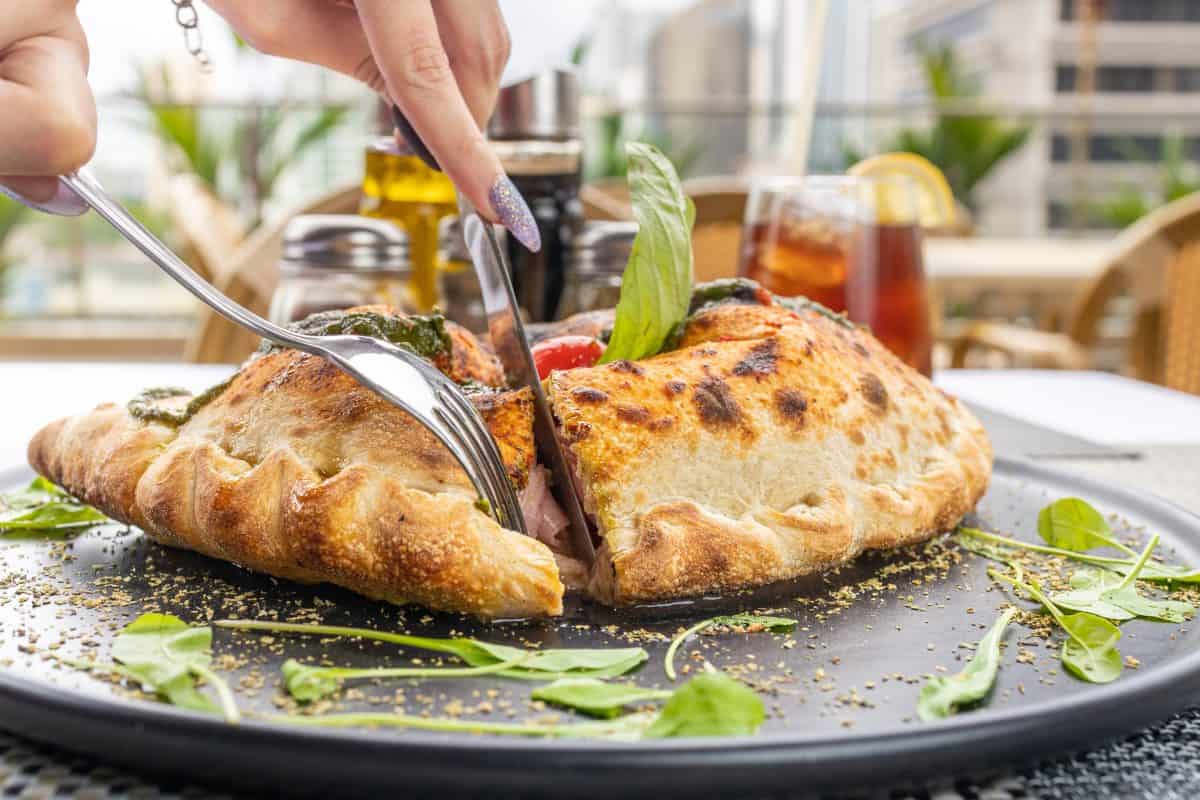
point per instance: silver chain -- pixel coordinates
(189, 20)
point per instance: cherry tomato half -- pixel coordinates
(565, 352)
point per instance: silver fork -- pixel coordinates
(398, 375)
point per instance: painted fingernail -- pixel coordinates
(63, 202)
(513, 212)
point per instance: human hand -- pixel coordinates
(48, 122)
(439, 61)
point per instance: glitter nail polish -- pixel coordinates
(514, 214)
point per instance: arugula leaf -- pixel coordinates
(1090, 651)
(305, 682)
(535, 665)
(1113, 597)
(45, 508)
(1125, 594)
(656, 287)
(166, 656)
(1087, 594)
(627, 728)
(1159, 573)
(38, 492)
(944, 695)
(750, 623)
(1150, 572)
(711, 704)
(595, 697)
(1073, 524)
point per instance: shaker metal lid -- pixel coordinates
(344, 241)
(603, 247)
(545, 106)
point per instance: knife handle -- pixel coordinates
(412, 139)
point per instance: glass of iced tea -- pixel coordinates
(850, 243)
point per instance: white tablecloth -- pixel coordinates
(1097, 406)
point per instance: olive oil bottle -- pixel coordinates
(399, 187)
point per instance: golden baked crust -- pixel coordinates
(297, 471)
(771, 444)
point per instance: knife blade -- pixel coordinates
(507, 332)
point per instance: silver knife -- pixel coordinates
(508, 339)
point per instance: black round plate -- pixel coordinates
(841, 689)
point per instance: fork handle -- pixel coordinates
(92, 193)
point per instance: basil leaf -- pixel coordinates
(943, 695)
(167, 657)
(750, 623)
(595, 697)
(656, 288)
(44, 508)
(534, 665)
(1073, 524)
(306, 683)
(711, 704)
(1091, 651)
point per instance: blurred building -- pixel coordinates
(746, 69)
(1025, 54)
(728, 77)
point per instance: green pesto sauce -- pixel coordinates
(424, 335)
(470, 387)
(744, 290)
(723, 290)
(145, 405)
(804, 304)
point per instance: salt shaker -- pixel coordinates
(337, 261)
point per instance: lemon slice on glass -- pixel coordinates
(935, 201)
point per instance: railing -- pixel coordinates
(64, 269)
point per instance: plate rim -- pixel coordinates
(1140, 699)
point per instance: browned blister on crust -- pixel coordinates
(771, 444)
(297, 471)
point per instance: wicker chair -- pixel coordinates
(717, 235)
(210, 229)
(1156, 261)
(250, 279)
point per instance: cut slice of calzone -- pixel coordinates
(295, 470)
(774, 441)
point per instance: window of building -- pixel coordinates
(1060, 215)
(1065, 76)
(1108, 78)
(1187, 79)
(1105, 148)
(1137, 10)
